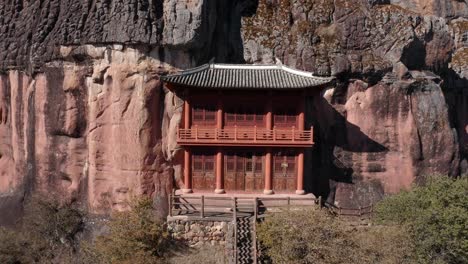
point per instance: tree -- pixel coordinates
(134, 236)
(436, 215)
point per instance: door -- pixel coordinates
(253, 172)
(284, 171)
(234, 175)
(243, 171)
(203, 171)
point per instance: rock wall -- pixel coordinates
(398, 110)
(200, 233)
(83, 113)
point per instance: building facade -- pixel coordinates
(243, 127)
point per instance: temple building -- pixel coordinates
(243, 127)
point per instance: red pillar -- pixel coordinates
(219, 155)
(268, 157)
(187, 111)
(301, 118)
(187, 172)
(268, 173)
(187, 154)
(300, 173)
(219, 172)
(269, 112)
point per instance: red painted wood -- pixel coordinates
(284, 171)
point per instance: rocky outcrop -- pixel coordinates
(396, 112)
(83, 113)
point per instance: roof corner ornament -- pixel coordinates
(278, 61)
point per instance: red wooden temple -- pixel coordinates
(243, 127)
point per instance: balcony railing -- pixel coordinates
(245, 136)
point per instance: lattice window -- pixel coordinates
(230, 163)
(285, 164)
(249, 164)
(203, 163)
(197, 163)
(258, 164)
(285, 117)
(204, 115)
(209, 163)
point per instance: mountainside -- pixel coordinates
(83, 113)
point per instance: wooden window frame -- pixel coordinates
(285, 117)
(237, 116)
(290, 159)
(203, 159)
(204, 111)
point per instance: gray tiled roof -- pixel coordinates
(246, 76)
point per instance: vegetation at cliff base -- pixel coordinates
(134, 236)
(428, 224)
(435, 214)
(315, 236)
(47, 233)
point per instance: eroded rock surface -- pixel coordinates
(83, 112)
(398, 110)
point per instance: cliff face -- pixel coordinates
(398, 110)
(84, 115)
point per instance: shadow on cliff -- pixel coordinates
(336, 139)
(455, 90)
(227, 45)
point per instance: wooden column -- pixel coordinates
(219, 172)
(187, 153)
(219, 155)
(269, 112)
(219, 113)
(187, 171)
(268, 173)
(268, 158)
(300, 172)
(301, 117)
(187, 111)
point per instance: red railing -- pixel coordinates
(248, 136)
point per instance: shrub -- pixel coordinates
(134, 236)
(46, 234)
(436, 215)
(315, 236)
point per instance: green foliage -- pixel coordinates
(47, 233)
(436, 215)
(134, 236)
(315, 236)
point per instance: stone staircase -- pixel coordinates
(245, 240)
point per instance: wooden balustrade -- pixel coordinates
(239, 135)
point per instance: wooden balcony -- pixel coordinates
(237, 136)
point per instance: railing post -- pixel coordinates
(255, 208)
(293, 133)
(289, 203)
(311, 134)
(255, 133)
(234, 216)
(170, 204)
(235, 132)
(196, 132)
(255, 230)
(202, 211)
(274, 133)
